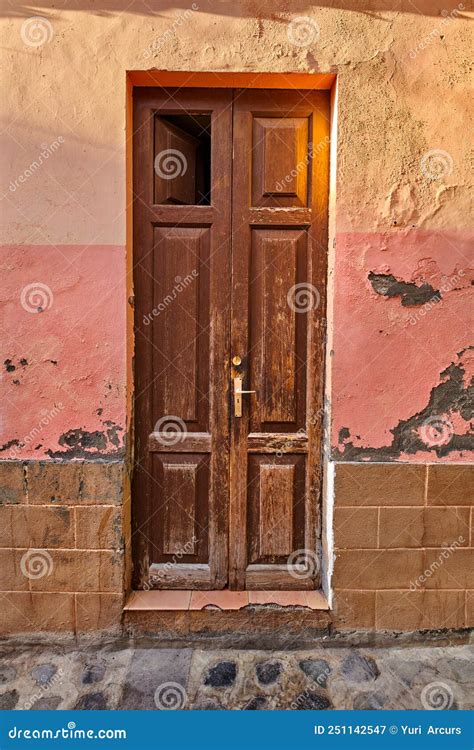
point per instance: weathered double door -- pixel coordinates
(230, 245)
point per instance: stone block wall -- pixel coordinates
(61, 546)
(403, 546)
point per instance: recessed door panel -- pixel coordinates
(179, 322)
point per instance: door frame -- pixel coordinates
(207, 80)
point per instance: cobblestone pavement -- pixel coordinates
(120, 676)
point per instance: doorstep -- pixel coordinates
(224, 600)
(228, 619)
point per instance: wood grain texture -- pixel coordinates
(279, 198)
(179, 512)
(182, 292)
(280, 161)
(276, 493)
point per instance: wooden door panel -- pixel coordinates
(275, 511)
(180, 528)
(277, 334)
(180, 327)
(174, 150)
(280, 193)
(280, 164)
(182, 299)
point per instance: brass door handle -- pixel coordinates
(238, 396)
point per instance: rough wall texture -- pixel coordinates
(401, 265)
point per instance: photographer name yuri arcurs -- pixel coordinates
(380, 729)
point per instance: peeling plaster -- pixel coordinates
(411, 295)
(450, 408)
(80, 443)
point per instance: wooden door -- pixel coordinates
(182, 181)
(279, 231)
(230, 243)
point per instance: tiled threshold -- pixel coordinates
(184, 601)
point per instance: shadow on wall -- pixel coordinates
(243, 9)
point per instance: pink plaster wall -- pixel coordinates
(63, 368)
(388, 359)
